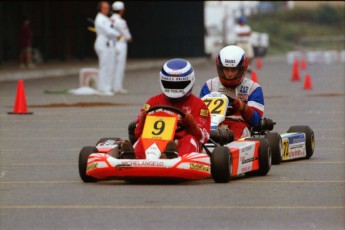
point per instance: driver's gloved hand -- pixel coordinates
(140, 126)
(191, 127)
(243, 108)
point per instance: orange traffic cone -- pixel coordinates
(295, 71)
(307, 82)
(254, 77)
(303, 64)
(20, 103)
(258, 63)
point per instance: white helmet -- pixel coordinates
(177, 79)
(233, 57)
(118, 5)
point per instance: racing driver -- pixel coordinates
(177, 80)
(246, 100)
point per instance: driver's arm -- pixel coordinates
(203, 120)
(141, 118)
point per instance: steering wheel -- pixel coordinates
(170, 108)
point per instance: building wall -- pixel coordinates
(159, 29)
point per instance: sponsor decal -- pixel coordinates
(91, 167)
(186, 109)
(229, 61)
(245, 149)
(244, 89)
(146, 107)
(222, 90)
(143, 163)
(296, 153)
(199, 167)
(244, 161)
(108, 143)
(297, 140)
(246, 169)
(175, 78)
(204, 112)
(173, 90)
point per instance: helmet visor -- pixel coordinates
(175, 84)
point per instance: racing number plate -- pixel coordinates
(216, 105)
(160, 127)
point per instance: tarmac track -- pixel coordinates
(40, 186)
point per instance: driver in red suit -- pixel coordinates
(177, 80)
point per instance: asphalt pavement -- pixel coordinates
(40, 187)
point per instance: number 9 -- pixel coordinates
(159, 126)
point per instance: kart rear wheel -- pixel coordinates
(131, 136)
(265, 157)
(309, 137)
(83, 156)
(221, 169)
(275, 142)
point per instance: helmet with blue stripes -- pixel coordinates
(177, 79)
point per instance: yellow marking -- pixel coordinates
(159, 127)
(146, 107)
(205, 207)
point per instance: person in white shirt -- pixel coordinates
(105, 49)
(121, 45)
(243, 32)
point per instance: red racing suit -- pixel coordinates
(186, 143)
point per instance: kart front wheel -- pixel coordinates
(309, 137)
(83, 156)
(221, 164)
(275, 142)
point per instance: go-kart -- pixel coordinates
(297, 143)
(107, 160)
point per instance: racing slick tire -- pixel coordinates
(309, 137)
(275, 142)
(131, 136)
(83, 156)
(222, 136)
(221, 169)
(265, 157)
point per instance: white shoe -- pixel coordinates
(106, 93)
(123, 91)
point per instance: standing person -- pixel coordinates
(243, 32)
(25, 43)
(105, 48)
(121, 45)
(246, 104)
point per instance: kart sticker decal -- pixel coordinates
(204, 112)
(146, 107)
